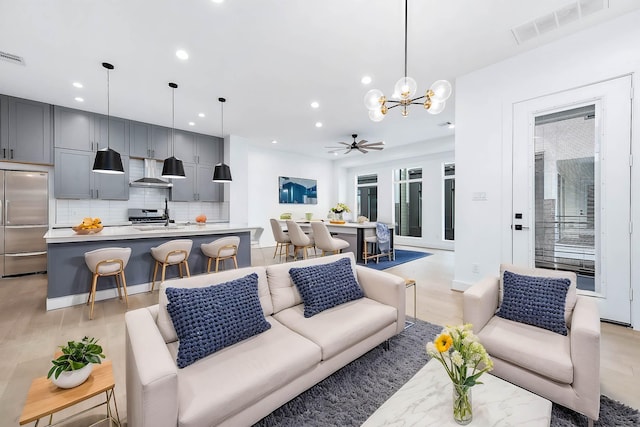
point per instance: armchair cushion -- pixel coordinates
(212, 318)
(326, 285)
(537, 301)
(542, 272)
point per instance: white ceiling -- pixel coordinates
(269, 58)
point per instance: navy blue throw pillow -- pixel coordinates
(326, 285)
(212, 318)
(537, 301)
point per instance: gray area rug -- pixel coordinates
(349, 396)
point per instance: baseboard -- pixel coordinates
(71, 300)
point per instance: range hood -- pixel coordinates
(150, 179)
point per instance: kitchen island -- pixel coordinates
(69, 277)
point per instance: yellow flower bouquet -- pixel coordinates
(465, 360)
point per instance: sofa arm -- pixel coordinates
(385, 288)
(480, 302)
(585, 350)
(152, 381)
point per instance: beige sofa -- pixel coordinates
(563, 369)
(241, 384)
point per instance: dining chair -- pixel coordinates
(299, 239)
(325, 241)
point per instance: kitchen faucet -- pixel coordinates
(166, 212)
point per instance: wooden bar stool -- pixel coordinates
(221, 249)
(107, 262)
(171, 253)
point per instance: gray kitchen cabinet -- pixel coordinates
(207, 190)
(107, 186)
(184, 190)
(197, 186)
(81, 130)
(72, 174)
(184, 147)
(148, 141)
(111, 131)
(74, 179)
(209, 149)
(28, 133)
(4, 120)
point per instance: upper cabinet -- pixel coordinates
(148, 141)
(25, 131)
(197, 148)
(81, 130)
(184, 146)
(74, 178)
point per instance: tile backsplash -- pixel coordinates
(115, 211)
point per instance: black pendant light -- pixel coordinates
(222, 172)
(172, 167)
(108, 160)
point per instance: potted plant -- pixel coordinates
(75, 364)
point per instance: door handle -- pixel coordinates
(4, 153)
(519, 227)
(6, 211)
(11, 153)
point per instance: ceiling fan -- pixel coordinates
(363, 146)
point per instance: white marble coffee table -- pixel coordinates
(426, 401)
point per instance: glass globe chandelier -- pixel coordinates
(404, 91)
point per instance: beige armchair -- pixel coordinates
(563, 369)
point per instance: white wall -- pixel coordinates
(430, 156)
(484, 101)
(264, 166)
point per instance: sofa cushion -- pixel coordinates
(212, 318)
(543, 272)
(529, 347)
(234, 378)
(537, 301)
(341, 327)
(325, 286)
(284, 294)
(164, 322)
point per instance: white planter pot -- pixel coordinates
(70, 379)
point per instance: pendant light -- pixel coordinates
(222, 172)
(108, 160)
(172, 167)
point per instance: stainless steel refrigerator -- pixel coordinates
(24, 218)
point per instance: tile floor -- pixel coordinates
(29, 335)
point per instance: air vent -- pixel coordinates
(9, 57)
(557, 19)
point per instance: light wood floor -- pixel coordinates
(29, 335)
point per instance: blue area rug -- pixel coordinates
(402, 256)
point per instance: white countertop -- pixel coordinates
(65, 235)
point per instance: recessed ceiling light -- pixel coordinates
(217, 1)
(78, 85)
(200, 114)
(451, 126)
(335, 154)
(315, 104)
(182, 54)
(192, 124)
(79, 99)
(318, 124)
(366, 80)
(274, 142)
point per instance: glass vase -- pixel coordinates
(462, 409)
(339, 216)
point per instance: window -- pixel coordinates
(407, 185)
(449, 206)
(368, 196)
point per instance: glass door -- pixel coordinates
(571, 189)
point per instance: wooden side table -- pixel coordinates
(408, 284)
(44, 398)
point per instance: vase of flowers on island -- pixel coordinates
(339, 209)
(464, 359)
